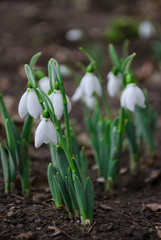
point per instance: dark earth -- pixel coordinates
(27, 27)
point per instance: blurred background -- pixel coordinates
(58, 27)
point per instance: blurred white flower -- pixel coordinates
(45, 133)
(57, 101)
(131, 96)
(29, 104)
(90, 102)
(65, 71)
(88, 85)
(114, 84)
(44, 84)
(146, 30)
(74, 35)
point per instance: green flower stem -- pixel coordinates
(61, 85)
(50, 109)
(104, 93)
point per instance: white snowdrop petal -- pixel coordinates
(146, 30)
(40, 133)
(89, 87)
(140, 98)
(44, 84)
(123, 99)
(90, 102)
(51, 133)
(22, 107)
(97, 84)
(74, 35)
(114, 84)
(69, 106)
(58, 104)
(130, 99)
(33, 105)
(77, 95)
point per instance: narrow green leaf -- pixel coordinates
(5, 167)
(127, 63)
(89, 199)
(30, 76)
(64, 193)
(33, 60)
(27, 128)
(81, 198)
(69, 184)
(114, 56)
(53, 185)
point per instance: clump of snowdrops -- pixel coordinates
(136, 120)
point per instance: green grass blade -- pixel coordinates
(54, 188)
(27, 128)
(89, 198)
(5, 167)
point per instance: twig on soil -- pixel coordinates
(91, 227)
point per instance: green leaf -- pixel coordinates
(127, 63)
(5, 167)
(114, 56)
(53, 155)
(62, 161)
(53, 185)
(89, 55)
(71, 191)
(23, 164)
(33, 60)
(64, 193)
(89, 199)
(27, 128)
(81, 198)
(30, 76)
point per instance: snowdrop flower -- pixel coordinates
(74, 35)
(131, 96)
(45, 132)
(45, 84)
(114, 84)
(57, 101)
(29, 104)
(90, 102)
(65, 71)
(88, 86)
(146, 30)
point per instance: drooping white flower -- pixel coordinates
(74, 35)
(45, 84)
(29, 104)
(57, 101)
(90, 102)
(146, 30)
(114, 84)
(45, 133)
(132, 96)
(90, 84)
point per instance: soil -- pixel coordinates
(134, 211)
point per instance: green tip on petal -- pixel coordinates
(39, 74)
(46, 114)
(49, 92)
(90, 68)
(115, 71)
(56, 87)
(130, 78)
(29, 85)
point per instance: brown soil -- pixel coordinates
(31, 26)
